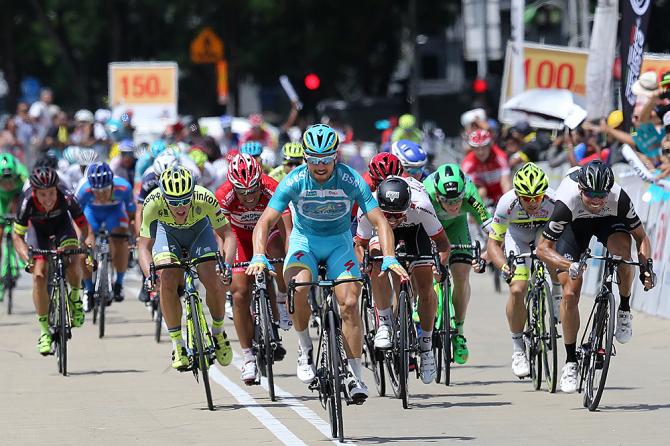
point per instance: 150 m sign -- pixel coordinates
(142, 84)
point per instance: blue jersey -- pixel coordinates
(322, 209)
(122, 196)
(142, 164)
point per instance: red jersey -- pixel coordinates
(265, 138)
(489, 172)
(239, 215)
(371, 185)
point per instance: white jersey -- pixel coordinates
(509, 215)
(420, 213)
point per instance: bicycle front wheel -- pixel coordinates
(403, 347)
(268, 341)
(532, 337)
(601, 340)
(101, 290)
(447, 355)
(548, 338)
(158, 316)
(370, 358)
(199, 337)
(335, 378)
(63, 328)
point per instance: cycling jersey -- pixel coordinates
(488, 173)
(322, 209)
(114, 213)
(203, 206)
(12, 189)
(148, 184)
(240, 216)
(278, 173)
(510, 214)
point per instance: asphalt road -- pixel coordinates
(122, 391)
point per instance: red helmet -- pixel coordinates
(384, 164)
(244, 171)
(256, 120)
(231, 154)
(479, 138)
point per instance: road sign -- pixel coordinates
(207, 47)
(149, 89)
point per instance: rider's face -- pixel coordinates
(102, 195)
(321, 172)
(593, 204)
(180, 212)
(452, 208)
(249, 197)
(531, 205)
(482, 153)
(47, 197)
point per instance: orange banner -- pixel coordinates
(142, 85)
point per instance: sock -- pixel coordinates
(119, 277)
(570, 352)
(248, 354)
(556, 290)
(304, 340)
(217, 326)
(75, 294)
(88, 283)
(517, 341)
(175, 335)
(281, 298)
(459, 327)
(44, 323)
(624, 305)
(385, 316)
(426, 341)
(355, 366)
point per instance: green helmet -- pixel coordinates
(7, 165)
(530, 180)
(450, 181)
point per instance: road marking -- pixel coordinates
(275, 426)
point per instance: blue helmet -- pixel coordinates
(253, 148)
(319, 140)
(100, 175)
(410, 153)
(157, 147)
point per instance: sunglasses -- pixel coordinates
(593, 194)
(316, 160)
(175, 202)
(292, 163)
(245, 192)
(529, 198)
(449, 201)
(394, 215)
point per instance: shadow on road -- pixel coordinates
(426, 439)
(427, 396)
(246, 406)
(105, 372)
(12, 324)
(447, 404)
(124, 336)
(635, 407)
(488, 383)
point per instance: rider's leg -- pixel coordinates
(570, 313)
(460, 273)
(347, 297)
(619, 244)
(422, 281)
(381, 287)
(242, 312)
(516, 310)
(119, 249)
(275, 249)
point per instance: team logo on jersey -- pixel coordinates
(299, 255)
(392, 195)
(631, 212)
(349, 264)
(311, 193)
(331, 210)
(557, 226)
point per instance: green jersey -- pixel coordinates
(472, 202)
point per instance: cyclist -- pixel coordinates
(255, 149)
(243, 198)
(181, 216)
(487, 165)
(454, 196)
(210, 178)
(410, 213)
(518, 221)
(589, 203)
(322, 192)
(107, 200)
(292, 152)
(381, 166)
(407, 130)
(50, 212)
(412, 157)
(146, 159)
(123, 165)
(13, 175)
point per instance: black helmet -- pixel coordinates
(394, 195)
(596, 176)
(43, 177)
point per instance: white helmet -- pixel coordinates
(84, 115)
(164, 161)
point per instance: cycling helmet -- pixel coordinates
(84, 115)
(409, 153)
(48, 160)
(163, 162)
(157, 147)
(406, 122)
(7, 165)
(530, 180)
(450, 181)
(177, 182)
(394, 195)
(244, 172)
(100, 175)
(253, 148)
(383, 165)
(127, 146)
(198, 156)
(320, 140)
(256, 120)
(596, 176)
(43, 177)
(479, 138)
(293, 151)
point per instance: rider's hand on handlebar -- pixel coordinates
(479, 266)
(226, 274)
(258, 264)
(150, 283)
(648, 276)
(507, 273)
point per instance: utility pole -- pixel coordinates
(413, 96)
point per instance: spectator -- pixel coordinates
(407, 129)
(388, 131)
(8, 137)
(41, 116)
(123, 165)
(101, 116)
(58, 135)
(82, 135)
(24, 126)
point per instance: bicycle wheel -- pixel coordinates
(101, 286)
(199, 344)
(548, 338)
(392, 358)
(532, 338)
(601, 340)
(447, 354)
(267, 341)
(335, 378)
(370, 358)
(403, 348)
(159, 319)
(11, 274)
(63, 328)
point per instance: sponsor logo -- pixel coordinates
(311, 193)
(631, 212)
(349, 179)
(299, 255)
(635, 50)
(640, 6)
(324, 211)
(392, 195)
(349, 265)
(557, 226)
(198, 210)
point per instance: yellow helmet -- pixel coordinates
(530, 180)
(293, 151)
(177, 182)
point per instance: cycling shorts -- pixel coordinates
(518, 241)
(417, 243)
(577, 235)
(459, 234)
(336, 251)
(62, 230)
(245, 247)
(170, 243)
(6, 201)
(111, 217)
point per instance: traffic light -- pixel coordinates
(480, 86)
(312, 81)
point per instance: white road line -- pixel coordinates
(270, 422)
(305, 412)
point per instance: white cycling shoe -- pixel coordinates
(356, 389)
(427, 367)
(569, 378)
(520, 365)
(249, 372)
(383, 337)
(624, 326)
(306, 371)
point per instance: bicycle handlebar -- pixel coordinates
(56, 252)
(245, 264)
(320, 283)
